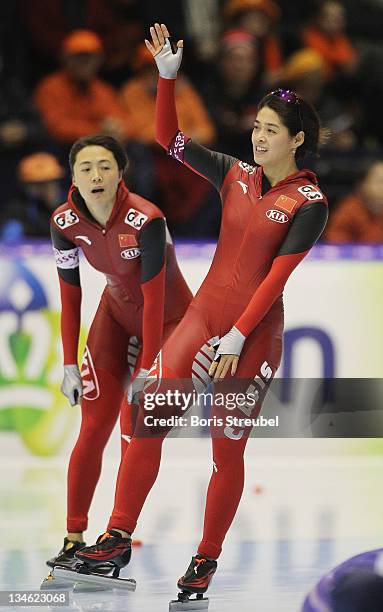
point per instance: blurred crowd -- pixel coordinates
(74, 67)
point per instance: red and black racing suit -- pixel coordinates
(144, 299)
(265, 232)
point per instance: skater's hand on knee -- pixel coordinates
(168, 60)
(71, 385)
(136, 386)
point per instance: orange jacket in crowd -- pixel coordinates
(69, 113)
(272, 55)
(336, 51)
(353, 222)
(139, 104)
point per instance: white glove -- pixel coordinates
(230, 344)
(71, 385)
(137, 386)
(168, 63)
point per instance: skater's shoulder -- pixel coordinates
(137, 205)
(61, 208)
(64, 216)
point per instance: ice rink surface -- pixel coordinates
(302, 512)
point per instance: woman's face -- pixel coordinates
(96, 175)
(239, 64)
(272, 143)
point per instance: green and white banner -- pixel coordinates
(333, 329)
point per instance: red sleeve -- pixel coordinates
(70, 320)
(166, 112)
(268, 291)
(153, 317)
(209, 164)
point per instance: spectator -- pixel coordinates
(39, 176)
(259, 18)
(202, 24)
(138, 98)
(117, 22)
(305, 73)
(20, 129)
(327, 36)
(359, 217)
(46, 23)
(231, 93)
(20, 126)
(73, 102)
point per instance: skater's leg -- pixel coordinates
(128, 411)
(254, 375)
(137, 474)
(98, 420)
(103, 372)
(75, 536)
(224, 494)
(144, 452)
(128, 420)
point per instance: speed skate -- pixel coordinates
(185, 602)
(55, 583)
(195, 581)
(52, 582)
(98, 567)
(82, 577)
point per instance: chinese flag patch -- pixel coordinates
(285, 203)
(127, 240)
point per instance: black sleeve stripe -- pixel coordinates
(70, 276)
(307, 226)
(212, 165)
(60, 241)
(152, 242)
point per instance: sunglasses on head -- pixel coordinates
(291, 98)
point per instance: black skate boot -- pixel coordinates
(195, 581)
(65, 557)
(99, 565)
(110, 549)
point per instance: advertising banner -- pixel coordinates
(333, 329)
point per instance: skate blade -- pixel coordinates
(52, 583)
(107, 582)
(88, 587)
(190, 605)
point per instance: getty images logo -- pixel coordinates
(277, 215)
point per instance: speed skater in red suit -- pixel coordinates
(125, 237)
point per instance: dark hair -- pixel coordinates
(99, 140)
(358, 590)
(296, 115)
